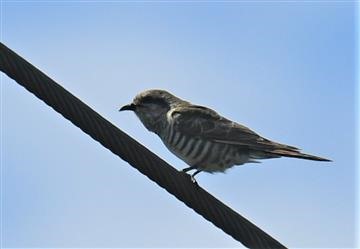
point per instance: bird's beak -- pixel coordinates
(130, 107)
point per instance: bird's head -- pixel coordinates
(151, 107)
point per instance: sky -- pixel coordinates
(287, 70)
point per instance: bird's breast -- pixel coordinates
(205, 154)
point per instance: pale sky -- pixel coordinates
(287, 70)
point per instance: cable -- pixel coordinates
(157, 170)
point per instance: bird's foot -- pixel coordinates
(193, 180)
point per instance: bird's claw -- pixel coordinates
(192, 178)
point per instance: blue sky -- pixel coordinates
(285, 69)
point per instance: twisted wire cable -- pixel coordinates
(118, 142)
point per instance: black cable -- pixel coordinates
(175, 182)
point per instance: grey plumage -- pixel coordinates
(201, 137)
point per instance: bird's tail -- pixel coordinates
(297, 154)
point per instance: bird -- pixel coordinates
(202, 138)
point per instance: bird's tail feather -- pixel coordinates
(297, 154)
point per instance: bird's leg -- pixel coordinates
(192, 177)
(188, 169)
(194, 174)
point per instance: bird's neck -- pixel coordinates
(160, 127)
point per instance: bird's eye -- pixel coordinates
(152, 102)
(147, 99)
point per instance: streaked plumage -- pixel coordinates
(201, 137)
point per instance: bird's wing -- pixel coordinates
(202, 122)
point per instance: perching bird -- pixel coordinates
(201, 137)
